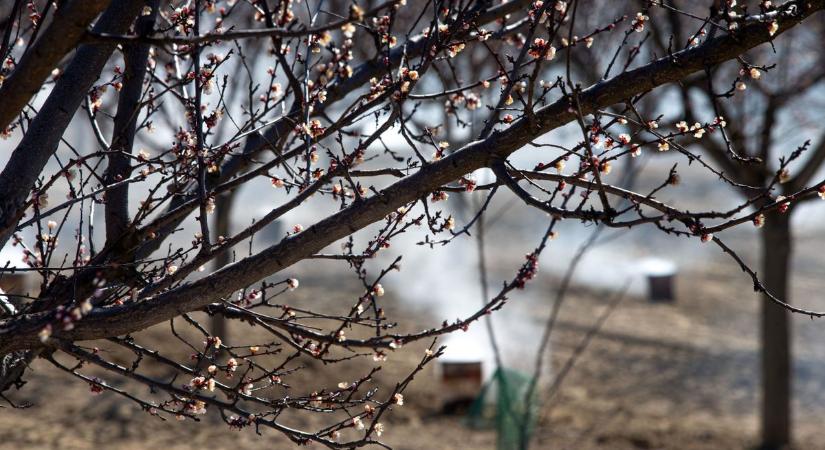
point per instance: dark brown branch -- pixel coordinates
(67, 27)
(123, 135)
(46, 130)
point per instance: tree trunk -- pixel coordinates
(223, 223)
(776, 334)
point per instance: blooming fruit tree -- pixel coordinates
(343, 107)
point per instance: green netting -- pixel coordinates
(502, 404)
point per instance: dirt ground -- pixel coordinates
(658, 376)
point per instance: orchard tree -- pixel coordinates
(764, 117)
(347, 112)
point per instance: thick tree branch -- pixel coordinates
(264, 139)
(46, 130)
(64, 32)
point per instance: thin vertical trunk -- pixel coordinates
(776, 334)
(129, 105)
(223, 222)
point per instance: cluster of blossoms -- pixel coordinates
(759, 221)
(96, 97)
(213, 341)
(206, 78)
(377, 88)
(292, 283)
(443, 30)
(66, 318)
(440, 149)
(382, 27)
(537, 8)
(338, 65)
(639, 21)
(34, 16)
(697, 129)
(455, 48)
(379, 356)
(313, 128)
(183, 19)
(560, 6)
(241, 422)
(586, 165)
(697, 229)
(231, 366)
(597, 142)
(528, 270)
(193, 407)
(9, 64)
(357, 422)
(210, 204)
(275, 89)
(277, 182)
(96, 386)
(470, 101)
(752, 72)
(185, 145)
(468, 183)
(541, 48)
(624, 139)
(317, 41)
(211, 121)
(47, 241)
(438, 196)
(407, 77)
(588, 41)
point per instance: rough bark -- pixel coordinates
(60, 37)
